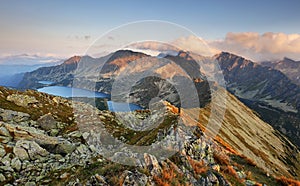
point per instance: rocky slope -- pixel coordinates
(43, 141)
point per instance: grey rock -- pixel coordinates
(16, 164)
(47, 122)
(65, 147)
(29, 149)
(2, 151)
(152, 164)
(30, 184)
(4, 131)
(64, 175)
(6, 160)
(2, 178)
(9, 115)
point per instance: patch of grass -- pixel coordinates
(257, 174)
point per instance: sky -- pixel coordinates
(66, 28)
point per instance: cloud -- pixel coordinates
(260, 47)
(191, 43)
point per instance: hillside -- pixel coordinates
(43, 141)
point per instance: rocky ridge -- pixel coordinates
(48, 148)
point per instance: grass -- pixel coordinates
(253, 172)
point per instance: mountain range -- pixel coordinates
(269, 92)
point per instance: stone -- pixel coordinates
(2, 178)
(22, 100)
(213, 178)
(152, 164)
(100, 179)
(82, 149)
(6, 160)
(47, 122)
(134, 178)
(31, 133)
(9, 115)
(64, 175)
(54, 132)
(21, 153)
(16, 164)
(2, 151)
(29, 150)
(250, 183)
(4, 131)
(241, 175)
(65, 147)
(30, 184)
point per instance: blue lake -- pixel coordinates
(68, 92)
(122, 107)
(71, 92)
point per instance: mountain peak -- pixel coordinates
(125, 53)
(72, 60)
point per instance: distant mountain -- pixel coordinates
(287, 66)
(267, 91)
(12, 68)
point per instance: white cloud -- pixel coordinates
(191, 43)
(260, 47)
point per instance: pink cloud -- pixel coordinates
(259, 47)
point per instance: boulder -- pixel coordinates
(4, 132)
(47, 122)
(16, 164)
(65, 147)
(29, 150)
(9, 115)
(152, 164)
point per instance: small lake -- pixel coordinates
(68, 92)
(122, 107)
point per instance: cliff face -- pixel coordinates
(265, 90)
(49, 140)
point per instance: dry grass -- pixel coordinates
(226, 145)
(221, 159)
(199, 167)
(230, 170)
(169, 177)
(287, 181)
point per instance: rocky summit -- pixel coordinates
(48, 140)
